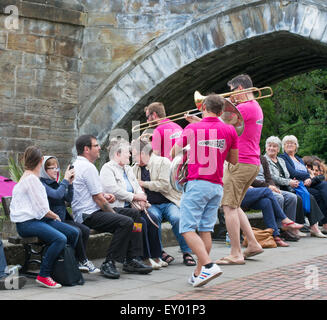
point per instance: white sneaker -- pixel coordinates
(154, 265)
(206, 275)
(163, 263)
(88, 267)
(191, 279)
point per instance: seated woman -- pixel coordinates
(58, 193)
(29, 209)
(117, 178)
(282, 179)
(298, 170)
(286, 199)
(262, 198)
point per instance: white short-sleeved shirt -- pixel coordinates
(29, 200)
(86, 184)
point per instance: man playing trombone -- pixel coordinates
(165, 134)
(238, 178)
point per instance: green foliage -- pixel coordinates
(299, 107)
(16, 169)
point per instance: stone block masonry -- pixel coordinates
(40, 63)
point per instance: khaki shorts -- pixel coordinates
(237, 179)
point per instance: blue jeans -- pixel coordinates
(263, 199)
(170, 212)
(54, 233)
(3, 262)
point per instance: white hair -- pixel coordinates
(290, 138)
(273, 139)
(116, 146)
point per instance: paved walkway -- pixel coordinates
(295, 272)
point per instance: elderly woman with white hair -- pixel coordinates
(281, 176)
(117, 177)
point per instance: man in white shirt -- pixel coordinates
(91, 207)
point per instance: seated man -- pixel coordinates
(91, 207)
(8, 280)
(152, 173)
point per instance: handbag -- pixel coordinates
(264, 237)
(303, 192)
(65, 269)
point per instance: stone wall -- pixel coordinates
(40, 63)
(117, 29)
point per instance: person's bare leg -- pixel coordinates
(253, 244)
(233, 228)
(199, 247)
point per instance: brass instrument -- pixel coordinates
(230, 115)
(198, 99)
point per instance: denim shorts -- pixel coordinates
(199, 206)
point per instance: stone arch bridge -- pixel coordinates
(90, 66)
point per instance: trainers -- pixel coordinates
(191, 279)
(206, 275)
(88, 267)
(48, 282)
(12, 282)
(108, 269)
(134, 265)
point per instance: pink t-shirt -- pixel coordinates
(249, 141)
(209, 140)
(164, 137)
(6, 187)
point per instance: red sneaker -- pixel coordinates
(48, 282)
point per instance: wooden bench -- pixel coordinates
(33, 246)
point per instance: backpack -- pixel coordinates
(65, 269)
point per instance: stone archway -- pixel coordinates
(270, 40)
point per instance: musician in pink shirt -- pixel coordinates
(211, 142)
(166, 133)
(238, 178)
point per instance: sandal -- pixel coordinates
(166, 257)
(292, 226)
(280, 242)
(188, 260)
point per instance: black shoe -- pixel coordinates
(12, 282)
(305, 229)
(108, 269)
(136, 266)
(288, 236)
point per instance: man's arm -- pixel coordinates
(232, 156)
(102, 203)
(176, 149)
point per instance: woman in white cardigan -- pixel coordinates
(117, 177)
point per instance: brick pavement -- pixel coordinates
(300, 281)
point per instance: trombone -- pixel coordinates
(198, 99)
